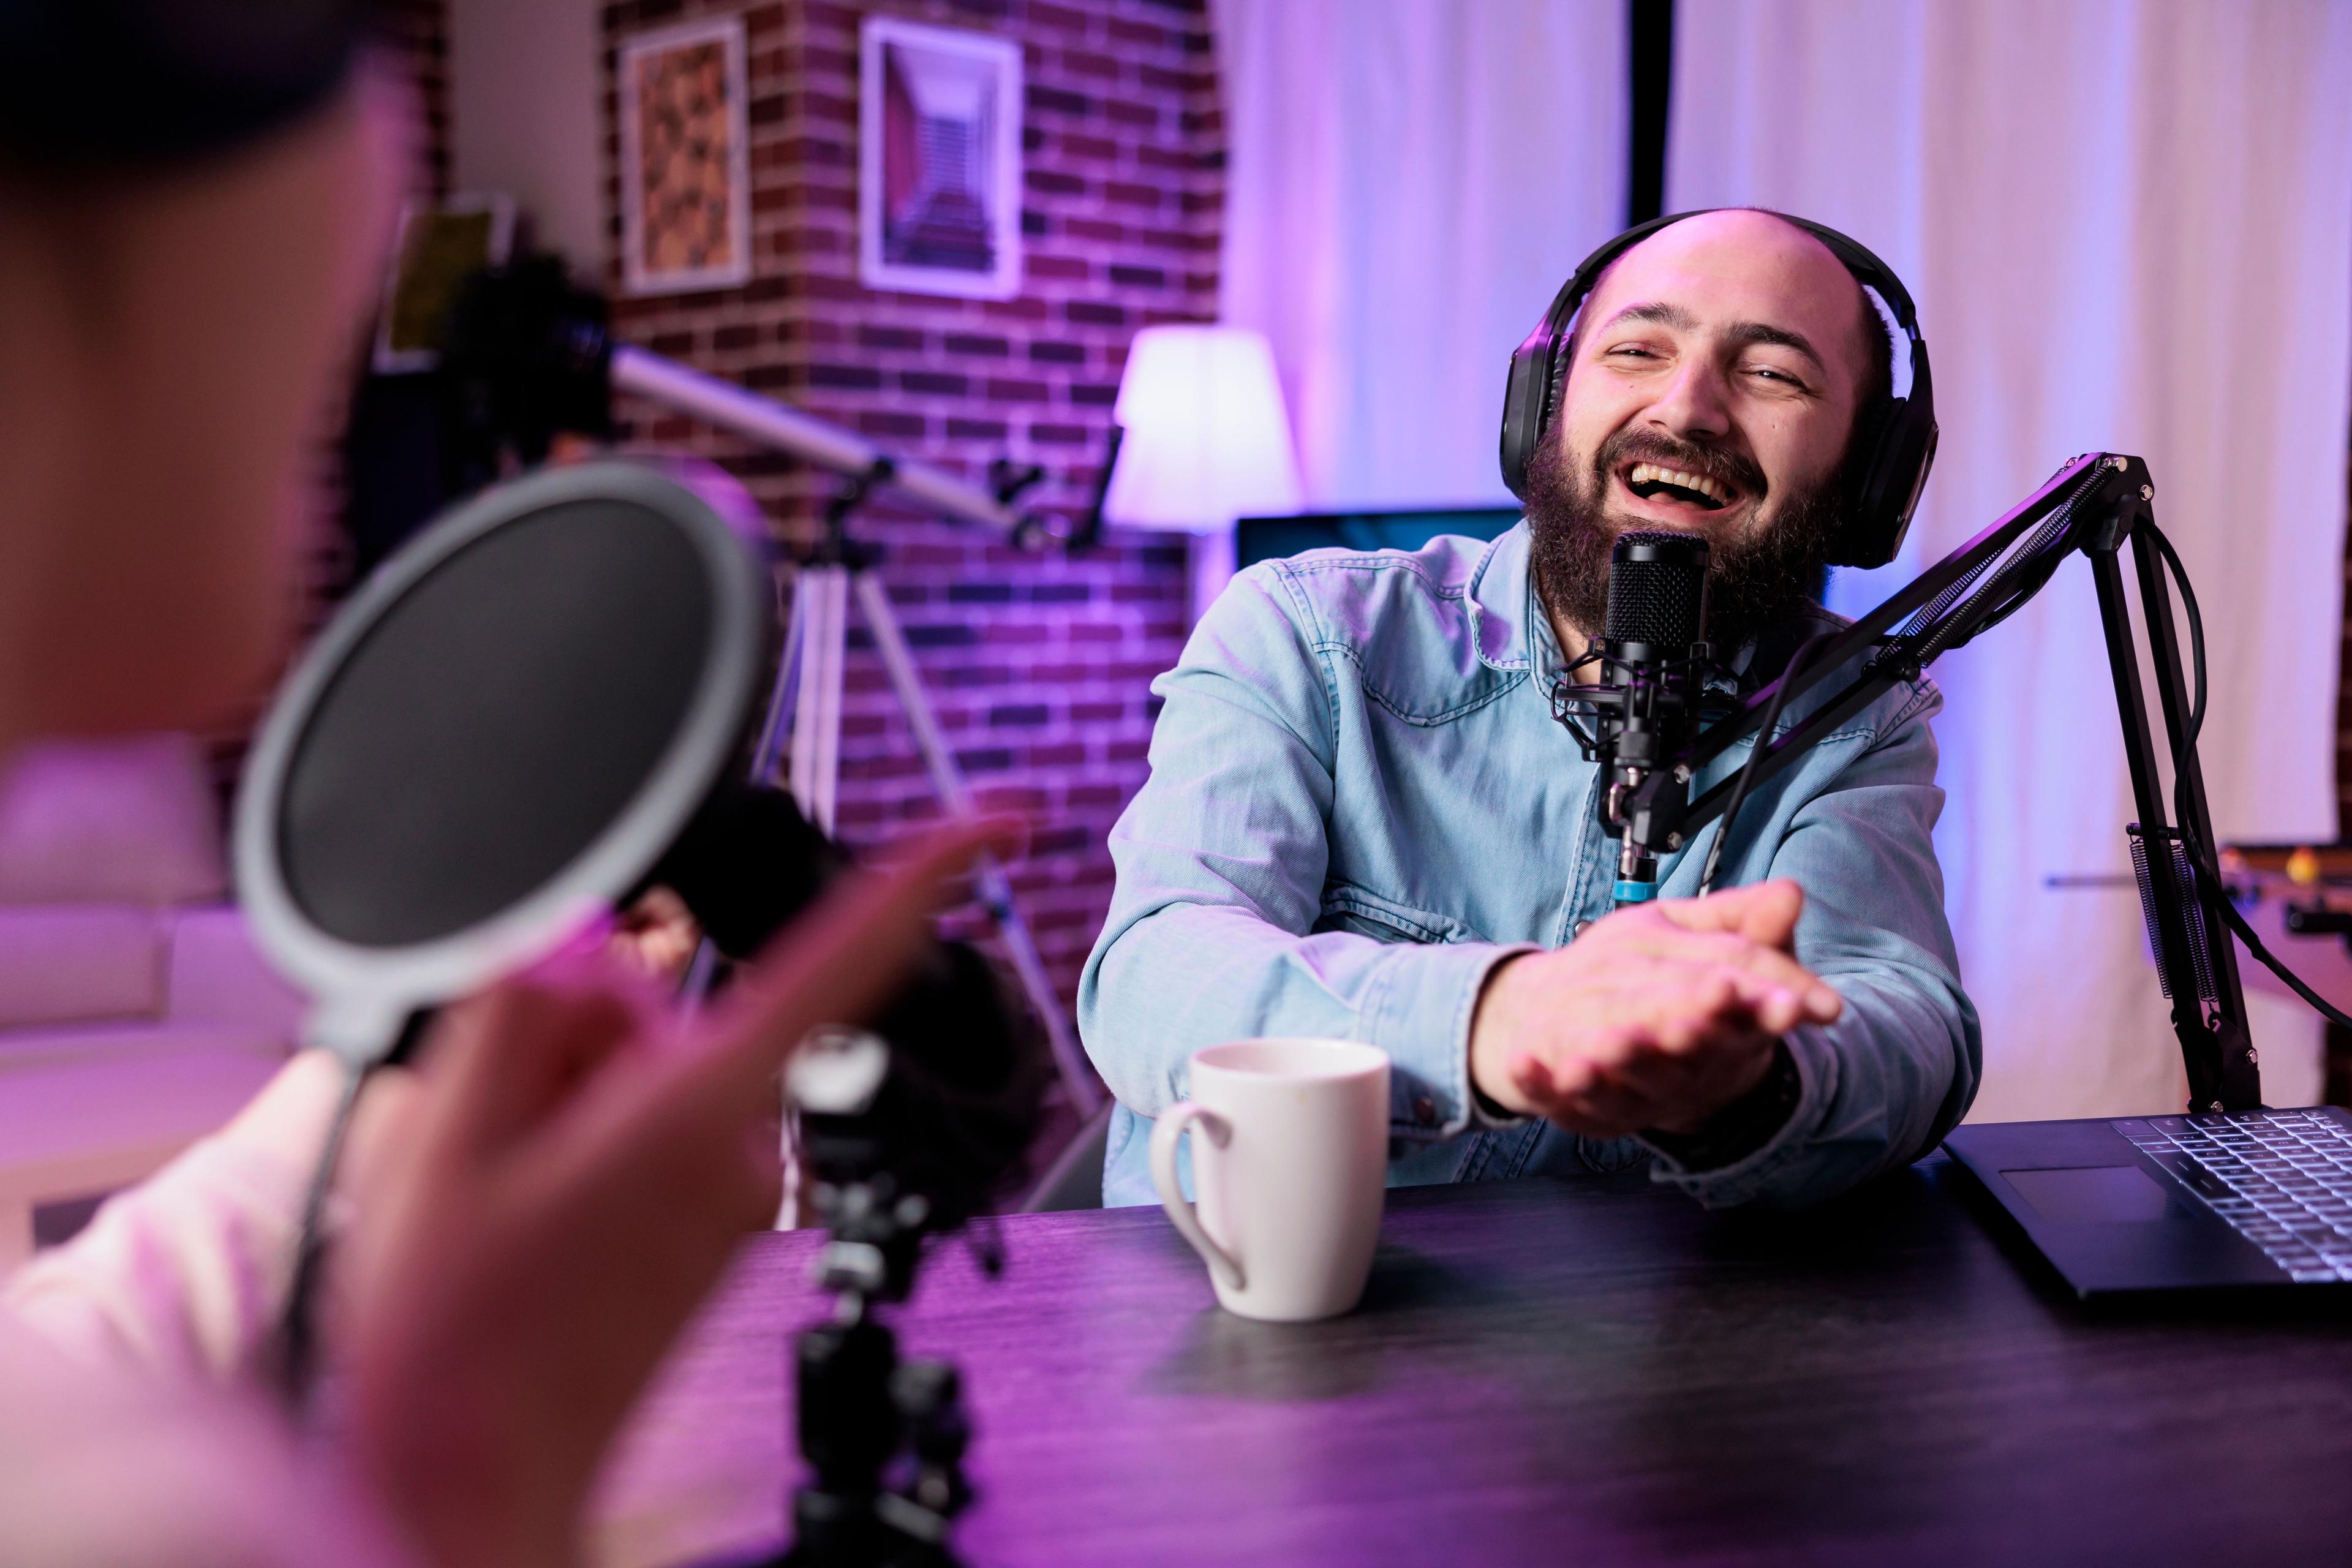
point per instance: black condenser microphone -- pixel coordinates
(1654, 662)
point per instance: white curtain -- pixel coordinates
(1410, 181)
(2128, 226)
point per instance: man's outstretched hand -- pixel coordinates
(1656, 1017)
(570, 1173)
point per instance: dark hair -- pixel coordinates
(119, 85)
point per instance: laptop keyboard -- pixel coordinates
(2282, 1178)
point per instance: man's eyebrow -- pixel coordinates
(1779, 337)
(1666, 315)
(1658, 311)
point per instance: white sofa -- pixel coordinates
(135, 1015)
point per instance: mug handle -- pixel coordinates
(1165, 1132)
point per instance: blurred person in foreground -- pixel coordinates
(194, 199)
(1363, 820)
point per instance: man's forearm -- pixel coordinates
(1189, 975)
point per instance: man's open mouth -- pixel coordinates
(1655, 481)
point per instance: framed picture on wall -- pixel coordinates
(685, 163)
(938, 160)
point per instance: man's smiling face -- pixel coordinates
(1717, 370)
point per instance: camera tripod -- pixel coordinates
(884, 1438)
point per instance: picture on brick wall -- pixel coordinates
(686, 180)
(938, 197)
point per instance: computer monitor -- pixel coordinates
(1272, 538)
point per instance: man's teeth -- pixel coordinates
(1651, 474)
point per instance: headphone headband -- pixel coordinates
(1904, 447)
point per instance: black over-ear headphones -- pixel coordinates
(1898, 465)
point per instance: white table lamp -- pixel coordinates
(1207, 441)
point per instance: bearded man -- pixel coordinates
(1362, 820)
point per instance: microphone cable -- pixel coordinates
(2204, 867)
(294, 1349)
(1746, 781)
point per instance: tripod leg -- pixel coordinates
(815, 651)
(996, 888)
(784, 700)
(816, 716)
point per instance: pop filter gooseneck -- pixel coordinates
(492, 743)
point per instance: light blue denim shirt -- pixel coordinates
(1360, 803)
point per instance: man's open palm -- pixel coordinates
(1656, 1018)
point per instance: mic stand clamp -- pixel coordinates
(1647, 806)
(1639, 703)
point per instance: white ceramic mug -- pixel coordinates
(1290, 1144)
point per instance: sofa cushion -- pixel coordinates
(127, 1045)
(66, 962)
(121, 822)
(217, 975)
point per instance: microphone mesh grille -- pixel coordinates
(1657, 589)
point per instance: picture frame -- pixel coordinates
(435, 246)
(686, 158)
(939, 160)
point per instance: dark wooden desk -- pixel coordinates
(1590, 1373)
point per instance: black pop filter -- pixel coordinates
(498, 738)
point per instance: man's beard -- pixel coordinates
(1756, 578)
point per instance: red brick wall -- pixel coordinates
(1039, 664)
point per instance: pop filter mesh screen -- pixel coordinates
(495, 719)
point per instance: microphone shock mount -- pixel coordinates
(1638, 718)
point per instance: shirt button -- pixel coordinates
(1582, 927)
(1424, 1110)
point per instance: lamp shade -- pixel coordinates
(1207, 439)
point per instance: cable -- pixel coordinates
(2195, 628)
(2206, 869)
(1797, 661)
(296, 1348)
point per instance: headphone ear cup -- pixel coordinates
(1899, 473)
(1526, 406)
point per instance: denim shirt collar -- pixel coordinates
(1507, 620)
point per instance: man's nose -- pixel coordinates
(1697, 404)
